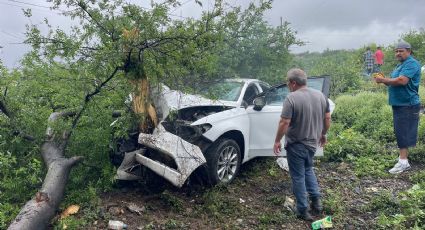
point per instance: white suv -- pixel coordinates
(239, 124)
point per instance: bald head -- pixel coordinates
(298, 76)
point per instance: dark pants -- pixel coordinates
(300, 161)
(406, 121)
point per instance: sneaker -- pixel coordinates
(399, 168)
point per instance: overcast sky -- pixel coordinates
(322, 24)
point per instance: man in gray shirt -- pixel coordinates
(305, 119)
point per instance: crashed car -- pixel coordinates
(238, 124)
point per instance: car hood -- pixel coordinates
(167, 100)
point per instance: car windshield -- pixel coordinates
(226, 90)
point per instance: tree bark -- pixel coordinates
(37, 213)
(143, 107)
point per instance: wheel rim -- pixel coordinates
(227, 163)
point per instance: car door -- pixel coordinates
(263, 123)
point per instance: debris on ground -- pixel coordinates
(283, 163)
(135, 209)
(116, 225)
(73, 209)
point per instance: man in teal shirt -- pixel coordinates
(403, 96)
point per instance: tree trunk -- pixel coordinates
(142, 106)
(37, 213)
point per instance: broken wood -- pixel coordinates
(142, 106)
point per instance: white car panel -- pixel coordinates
(263, 127)
(187, 156)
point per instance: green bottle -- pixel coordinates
(322, 223)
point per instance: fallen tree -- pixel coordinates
(37, 213)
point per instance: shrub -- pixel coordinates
(418, 177)
(367, 113)
(350, 143)
(375, 165)
(385, 202)
(411, 211)
(418, 153)
(421, 129)
(20, 178)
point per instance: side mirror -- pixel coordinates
(259, 103)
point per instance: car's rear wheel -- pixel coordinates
(224, 161)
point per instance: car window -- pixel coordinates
(276, 96)
(315, 83)
(226, 90)
(250, 93)
(264, 86)
(320, 83)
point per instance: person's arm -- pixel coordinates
(401, 80)
(281, 131)
(327, 125)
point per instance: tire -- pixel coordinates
(223, 161)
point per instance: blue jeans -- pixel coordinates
(300, 162)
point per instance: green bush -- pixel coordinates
(422, 93)
(332, 203)
(421, 129)
(20, 179)
(411, 213)
(418, 177)
(351, 143)
(384, 203)
(373, 165)
(367, 113)
(417, 153)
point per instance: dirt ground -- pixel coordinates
(255, 200)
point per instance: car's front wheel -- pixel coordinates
(223, 160)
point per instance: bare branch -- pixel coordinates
(90, 95)
(4, 109)
(91, 17)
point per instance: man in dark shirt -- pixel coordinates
(305, 119)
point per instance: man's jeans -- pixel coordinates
(300, 161)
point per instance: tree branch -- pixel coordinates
(90, 95)
(4, 109)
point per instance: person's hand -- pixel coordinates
(323, 140)
(378, 77)
(277, 148)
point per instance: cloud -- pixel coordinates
(376, 32)
(333, 24)
(337, 24)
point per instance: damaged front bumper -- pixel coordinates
(186, 157)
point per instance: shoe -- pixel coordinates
(399, 168)
(316, 205)
(304, 215)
